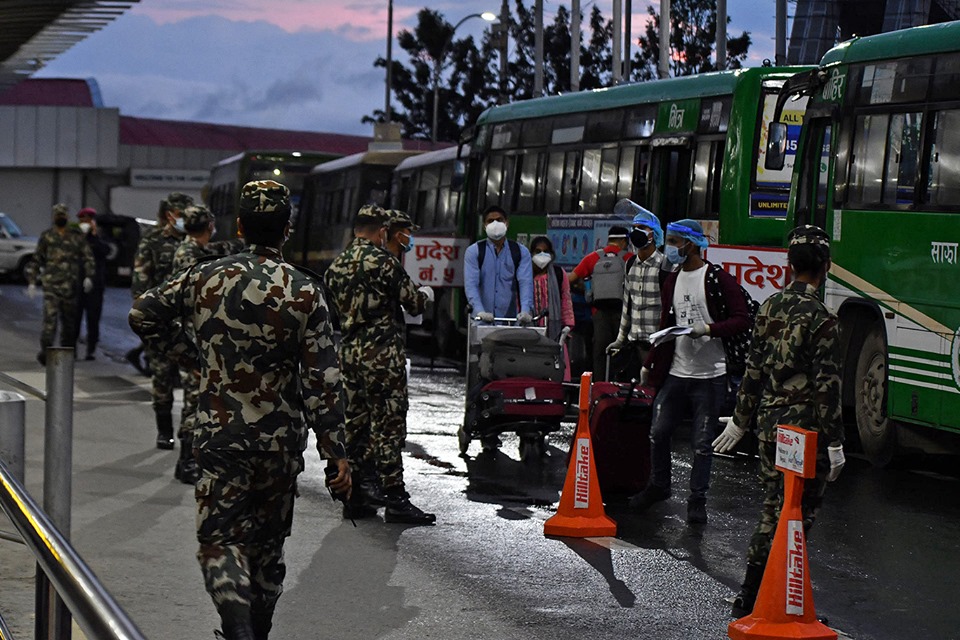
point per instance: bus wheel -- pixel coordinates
(877, 432)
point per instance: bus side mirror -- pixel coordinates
(459, 176)
(776, 146)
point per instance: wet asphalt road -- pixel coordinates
(884, 557)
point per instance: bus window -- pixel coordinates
(553, 183)
(589, 181)
(903, 158)
(508, 187)
(944, 158)
(494, 176)
(866, 169)
(427, 196)
(530, 168)
(638, 179)
(705, 190)
(608, 180)
(569, 201)
(669, 192)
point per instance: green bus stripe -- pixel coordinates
(920, 376)
(916, 353)
(932, 367)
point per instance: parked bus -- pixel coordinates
(683, 147)
(879, 169)
(227, 176)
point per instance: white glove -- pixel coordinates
(614, 346)
(87, 285)
(644, 376)
(564, 333)
(731, 435)
(31, 291)
(699, 330)
(524, 319)
(427, 291)
(485, 316)
(837, 460)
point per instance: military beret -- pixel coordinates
(60, 209)
(264, 196)
(809, 234)
(196, 216)
(87, 212)
(372, 214)
(180, 201)
(400, 219)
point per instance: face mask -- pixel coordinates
(60, 222)
(409, 246)
(178, 225)
(542, 260)
(673, 255)
(85, 227)
(639, 238)
(496, 230)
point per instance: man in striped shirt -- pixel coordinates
(641, 292)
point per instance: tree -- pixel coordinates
(596, 68)
(693, 29)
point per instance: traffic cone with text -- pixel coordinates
(784, 606)
(581, 513)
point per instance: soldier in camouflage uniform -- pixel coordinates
(792, 377)
(152, 265)
(368, 285)
(198, 223)
(268, 371)
(62, 257)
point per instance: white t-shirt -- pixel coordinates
(702, 357)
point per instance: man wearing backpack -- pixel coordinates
(493, 278)
(605, 269)
(690, 372)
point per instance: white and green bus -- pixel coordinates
(878, 166)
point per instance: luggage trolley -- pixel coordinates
(514, 383)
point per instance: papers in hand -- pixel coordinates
(668, 334)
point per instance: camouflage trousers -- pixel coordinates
(163, 378)
(190, 382)
(63, 308)
(244, 515)
(772, 480)
(375, 392)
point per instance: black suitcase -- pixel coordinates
(520, 353)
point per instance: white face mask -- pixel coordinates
(178, 225)
(85, 227)
(542, 259)
(496, 230)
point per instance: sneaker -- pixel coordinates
(697, 512)
(401, 510)
(648, 497)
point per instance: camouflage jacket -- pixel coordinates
(366, 284)
(190, 252)
(793, 370)
(264, 345)
(153, 262)
(62, 260)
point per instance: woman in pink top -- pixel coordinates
(551, 293)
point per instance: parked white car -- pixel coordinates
(16, 249)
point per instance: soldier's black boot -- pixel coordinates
(400, 510)
(744, 600)
(164, 430)
(235, 622)
(357, 507)
(371, 491)
(262, 622)
(186, 470)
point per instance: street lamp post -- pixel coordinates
(438, 63)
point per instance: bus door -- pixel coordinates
(813, 198)
(670, 182)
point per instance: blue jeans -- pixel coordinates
(702, 398)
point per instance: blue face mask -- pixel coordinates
(673, 255)
(409, 246)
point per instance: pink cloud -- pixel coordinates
(357, 21)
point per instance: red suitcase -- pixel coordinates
(620, 420)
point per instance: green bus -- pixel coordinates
(879, 168)
(683, 147)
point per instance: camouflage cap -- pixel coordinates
(264, 196)
(197, 216)
(372, 214)
(179, 201)
(809, 234)
(400, 219)
(60, 209)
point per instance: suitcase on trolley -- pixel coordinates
(620, 420)
(518, 401)
(520, 353)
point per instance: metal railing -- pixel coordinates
(64, 581)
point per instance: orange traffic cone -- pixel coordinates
(784, 607)
(581, 514)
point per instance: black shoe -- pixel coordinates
(187, 471)
(164, 431)
(697, 511)
(401, 510)
(372, 493)
(490, 443)
(358, 511)
(648, 497)
(743, 604)
(744, 600)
